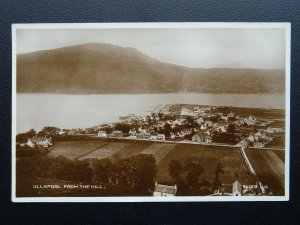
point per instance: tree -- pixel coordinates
(51, 130)
(217, 183)
(60, 168)
(31, 132)
(229, 138)
(21, 138)
(137, 172)
(231, 129)
(125, 128)
(219, 169)
(190, 121)
(182, 188)
(160, 115)
(149, 120)
(214, 118)
(41, 133)
(194, 171)
(145, 169)
(25, 166)
(108, 130)
(122, 171)
(175, 169)
(81, 171)
(167, 130)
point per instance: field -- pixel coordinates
(133, 149)
(278, 142)
(278, 123)
(259, 112)
(209, 156)
(106, 151)
(75, 149)
(159, 151)
(241, 111)
(269, 165)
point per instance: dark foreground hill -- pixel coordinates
(104, 68)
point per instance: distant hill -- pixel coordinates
(103, 68)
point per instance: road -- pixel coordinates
(193, 143)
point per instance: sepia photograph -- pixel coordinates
(150, 112)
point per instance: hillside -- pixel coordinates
(103, 68)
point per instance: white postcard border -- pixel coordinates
(181, 25)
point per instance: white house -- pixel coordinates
(62, 132)
(272, 130)
(203, 127)
(201, 137)
(161, 137)
(209, 123)
(173, 136)
(200, 120)
(132, 136)
(225, 118)
(153, 137)
(231, 114)
(164, 190)
(251, 138)
(116, 134)
(222, 129)
(258, 144)
(39, 141)
(197, 109)
(102, 133)
(186, 112)
(236, 188)
(258, 134)
(143, 135)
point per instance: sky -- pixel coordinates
(261, 48)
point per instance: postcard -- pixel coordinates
(150, 112)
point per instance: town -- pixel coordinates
(219, 135)
(182, 124)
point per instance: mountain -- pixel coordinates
(95, 68)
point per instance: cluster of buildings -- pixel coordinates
(249, 130)
(39, 142)
(174, 122)
(164, 190)
(196, 124)
(237, 190)
(154, 126)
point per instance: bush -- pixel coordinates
(137, 172)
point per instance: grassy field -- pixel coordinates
(133, 149)
(159, 151)
(278, 123)
(180, 153)
(241, 111)
(259, 112)
(209, 156)
(106, 151)
(269, 165)
(281, 155)
(269, 169)
(278, 142)
(75, 149)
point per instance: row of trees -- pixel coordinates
(46, 131)
(227, 137)
(137, 172)
(187, 176)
